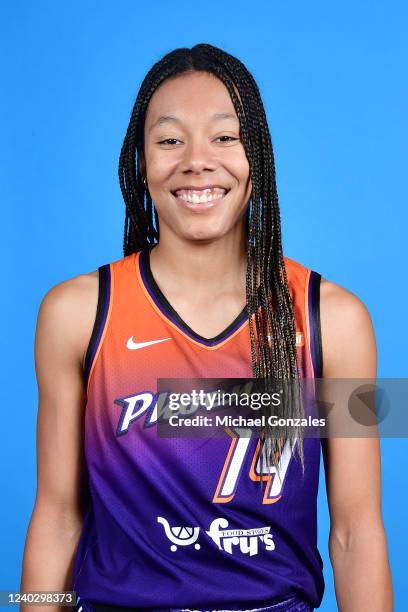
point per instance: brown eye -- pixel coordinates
(169, 141)
(229, 138)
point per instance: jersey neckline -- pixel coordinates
(170, 313)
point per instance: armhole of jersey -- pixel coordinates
(100, 321)
(316, 334)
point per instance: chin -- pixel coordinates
(204, 233)
(201, 236)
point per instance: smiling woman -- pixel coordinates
(203, 291)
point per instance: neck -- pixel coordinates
(200, 269)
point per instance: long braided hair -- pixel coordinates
(269, 305)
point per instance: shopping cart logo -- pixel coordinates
(180, 536)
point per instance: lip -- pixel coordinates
(200, 206)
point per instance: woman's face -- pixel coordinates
(196, 168)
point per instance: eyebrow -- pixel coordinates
(172, 119)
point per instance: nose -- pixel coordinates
(198, 157)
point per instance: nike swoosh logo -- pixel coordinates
(137, 345)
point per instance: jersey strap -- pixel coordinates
(102, 309)
(315, 323)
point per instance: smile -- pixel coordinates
(200, 198)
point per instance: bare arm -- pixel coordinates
(357, 542)
(64, 326)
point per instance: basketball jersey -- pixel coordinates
(187, 522)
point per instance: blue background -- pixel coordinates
(332, 80)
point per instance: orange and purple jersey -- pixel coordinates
(187, 522)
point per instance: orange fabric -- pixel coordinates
(134, 313)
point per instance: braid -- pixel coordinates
(269, 303)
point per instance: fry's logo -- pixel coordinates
(247, 540)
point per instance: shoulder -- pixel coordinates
(341, 305)
(70, 293)
(74, 298)
(67, 312)
(68, 299)
(348, 341)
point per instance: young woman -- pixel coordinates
(132, 520)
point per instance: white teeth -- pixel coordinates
(200, 196)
